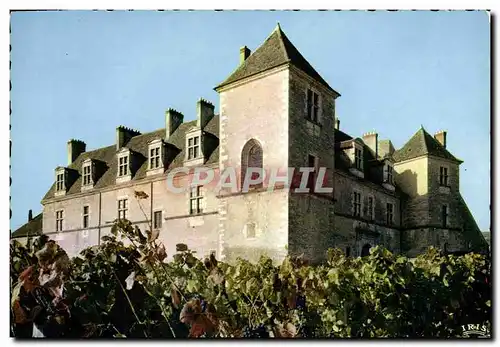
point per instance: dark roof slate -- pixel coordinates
(139, 145)
(32, 228)
(422, 143)
(341, 136)
(275, 51)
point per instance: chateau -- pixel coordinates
(276, 111)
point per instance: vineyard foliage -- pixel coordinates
(129, 289)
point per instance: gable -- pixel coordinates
(276, 50)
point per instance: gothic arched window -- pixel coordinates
(251, 157)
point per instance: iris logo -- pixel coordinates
(476, 331)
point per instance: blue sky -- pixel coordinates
(80, 74)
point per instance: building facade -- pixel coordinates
(405, 199)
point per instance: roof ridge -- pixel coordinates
(148, 133)
(281, 41)
(276, 50)
(425, 144)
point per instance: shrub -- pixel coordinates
(118, 290)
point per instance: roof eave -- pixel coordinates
(225, 83)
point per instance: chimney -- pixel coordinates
(75, 148)
(205, 112)
(244, 54)
(123, 135)
(440, 136)
(371, 140)
(173, 119)
(337, 123)
(30, 215)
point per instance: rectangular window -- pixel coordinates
(444, 215)
(313, 162)
(194, 147)
(123, 166)
(389, 174)
(357, 158)
(87, 175)
(122, 209)
(196, 200)
(370, 208)
(443, 176)
(390, 214)
(356, 204)
(60, 182)
(312, 106)
(251, 230)
(59, 220)
(85, 216)
(154, 158)
(157, 220)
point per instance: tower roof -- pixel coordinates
(422, 143)
(31, 228)
(275, 51)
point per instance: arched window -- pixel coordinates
(365, 250)
(251, 157)
(348, 251)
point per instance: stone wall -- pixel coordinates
(255, 109)
(311, 226)
(411, 177)
(198, 232)
(265, 212)
(439, 195)
(353, 231)
(311, 218)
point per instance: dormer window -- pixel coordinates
(154, 158)
(63, 180)
(87, 177)
(389, 173)
(87, 173)
(358, 159)
(123, 169)
(388, 179)
(91, 170)
(355, 153)
(193, 147)
(60, 182)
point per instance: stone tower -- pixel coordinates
(278, 112)
(434, 211)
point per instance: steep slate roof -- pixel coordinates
(275, 51)
(341, 136)
(422, 143)
(388, 143)
(32, 228)
(139, 145)
(472, 232)
(372, 166)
